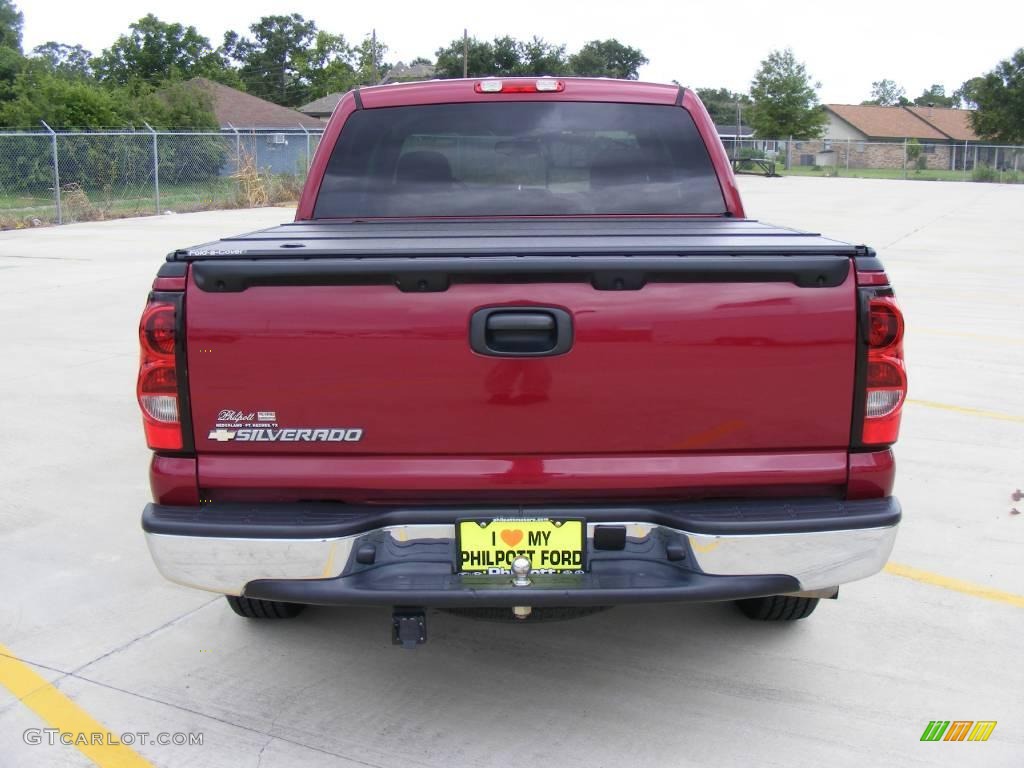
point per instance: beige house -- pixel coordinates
(867, 136)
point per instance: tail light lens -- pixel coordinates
(157, 387)
(886, 377)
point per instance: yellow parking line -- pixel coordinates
(965, 587)
(329, 565)
(968, 411)
(62, 713)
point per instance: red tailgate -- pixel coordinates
(671, 368)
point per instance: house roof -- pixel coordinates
(955, 123)
(886, 122)
(729, 129)
(403, 72)
(244, 111)
(323, 106)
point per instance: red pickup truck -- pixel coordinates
(522, 352)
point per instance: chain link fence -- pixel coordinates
(61, 177)
(898, 159)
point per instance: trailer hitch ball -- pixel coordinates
(521, 572)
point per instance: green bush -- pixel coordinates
(913, 150)
(984, 173)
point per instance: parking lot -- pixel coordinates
(939, 636)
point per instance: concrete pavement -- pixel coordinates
(653, 685)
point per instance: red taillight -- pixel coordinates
(157, 387)
(885, 324)
(886, 376)
(156, 331)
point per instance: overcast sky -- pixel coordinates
(715, 44)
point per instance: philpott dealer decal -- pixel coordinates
(262, 427)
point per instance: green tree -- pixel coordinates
(369, 61)
(721, 104)
(1000, 99)
(11, 60)
(11, 64)
(886, 93)
(538, 57)
(607, 58)
(174, 105)
(504, 57)
(270, 60)
(480, 59)
(935, 97)
(154, 51)
(41, 94)
(11, 22)
(67, 60)
(785, 99)
(326, 66)
(964, 95)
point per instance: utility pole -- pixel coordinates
(373, 56)
(465, 52)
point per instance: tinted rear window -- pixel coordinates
(523, 158)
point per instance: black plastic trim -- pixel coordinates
(172, 269)
(358, 97)
(604, 272)
(867, 260)
(434, 584)
(314, 520)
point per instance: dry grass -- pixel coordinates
(257, 188)
(253, 186)
(77, 206)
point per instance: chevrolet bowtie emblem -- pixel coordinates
(221, 435)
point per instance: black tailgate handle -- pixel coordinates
(520, 331)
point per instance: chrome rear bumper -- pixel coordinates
(749, 545)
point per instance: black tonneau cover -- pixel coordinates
(522, 237)
(612, 254)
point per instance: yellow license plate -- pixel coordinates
(490, 546)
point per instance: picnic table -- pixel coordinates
(752, 164)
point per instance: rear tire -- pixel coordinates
(778, 608)
(251, 608)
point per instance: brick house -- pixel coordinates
(868, 136)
